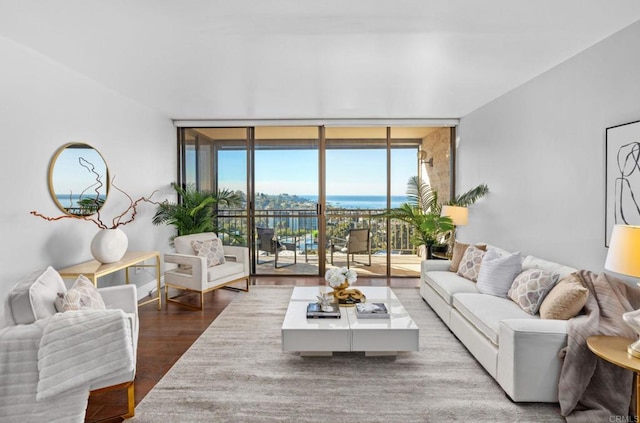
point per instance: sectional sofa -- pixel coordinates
(520, 350)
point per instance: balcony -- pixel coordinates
(299, 228)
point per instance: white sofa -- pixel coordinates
(519, 350)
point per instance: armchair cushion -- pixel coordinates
(81, 296)
(212, 249)
(34, 297)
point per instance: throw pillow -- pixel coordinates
(83, 295)
(530, 288)
(565, 300)
(459, 248)
(33, 298)
(212, 249)
(470, 263)
(497, 272)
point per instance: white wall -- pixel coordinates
(44, 105)
(540, 148)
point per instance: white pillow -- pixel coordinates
(497, 272)
(33, 298)
(83, 295)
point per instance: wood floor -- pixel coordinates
(166, 334)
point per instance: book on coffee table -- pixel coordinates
(372, 311)
(314, 311)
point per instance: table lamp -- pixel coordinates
(624, 257)
(459, 217)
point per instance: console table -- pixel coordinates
(93, 269)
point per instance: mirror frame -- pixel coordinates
(52, 165)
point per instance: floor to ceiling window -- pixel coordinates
(311, 192)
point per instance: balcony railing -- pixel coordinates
(301, 227)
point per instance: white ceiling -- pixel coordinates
(297, 59)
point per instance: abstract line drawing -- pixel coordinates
(622, 186)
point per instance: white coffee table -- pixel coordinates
(325, 336)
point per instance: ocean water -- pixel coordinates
(360, 201)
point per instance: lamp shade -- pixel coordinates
(624, 250)
(459, 215)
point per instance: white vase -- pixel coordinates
(109, 245)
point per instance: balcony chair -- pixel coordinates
(269, 242)
(193, 273)
(358, 241)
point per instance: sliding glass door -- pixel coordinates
(309, 194)
(286, 203)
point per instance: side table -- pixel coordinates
(93, 269)
(614, 350)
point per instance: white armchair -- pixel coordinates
(29, 310)
(192, 273)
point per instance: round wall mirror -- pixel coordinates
(78, 179)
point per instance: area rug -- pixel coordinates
(237, 372)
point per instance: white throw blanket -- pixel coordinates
(56, 360)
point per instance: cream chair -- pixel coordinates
(192, 273)
(30, 303)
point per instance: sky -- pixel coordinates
(69, 176)
(349, 172)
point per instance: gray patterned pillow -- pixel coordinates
(83, 295)
(212, 249)
(470, 263)
(531, 287)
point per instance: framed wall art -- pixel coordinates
(622, 172)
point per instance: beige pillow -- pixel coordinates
(565, 300)
(470, 264)
(212, 249)
(458, 251)
(83, 295)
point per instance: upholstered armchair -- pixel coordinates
(37, 341)
(194, 273)
(357, 242)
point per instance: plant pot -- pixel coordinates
(109, 245)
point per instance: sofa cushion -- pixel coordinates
(565, 300)
(485, 312)
(34, 297)
(531, 262)
(83, 295)
(446, 284)
(497, 272)
(470, 263)
(459, 248)
(531, 287)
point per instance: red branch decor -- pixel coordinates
(117, 221)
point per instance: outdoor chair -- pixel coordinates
(358, 241)
(269, 242)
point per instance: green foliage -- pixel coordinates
(422, 211)
(429, 226)
(195, 212)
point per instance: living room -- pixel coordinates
(537, 139)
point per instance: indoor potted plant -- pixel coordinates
(195, 211)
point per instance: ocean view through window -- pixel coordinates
(311, 186)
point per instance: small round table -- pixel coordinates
(614, 350)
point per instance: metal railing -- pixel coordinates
(301, 227)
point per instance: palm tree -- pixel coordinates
(423, 209)
(195, 212)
